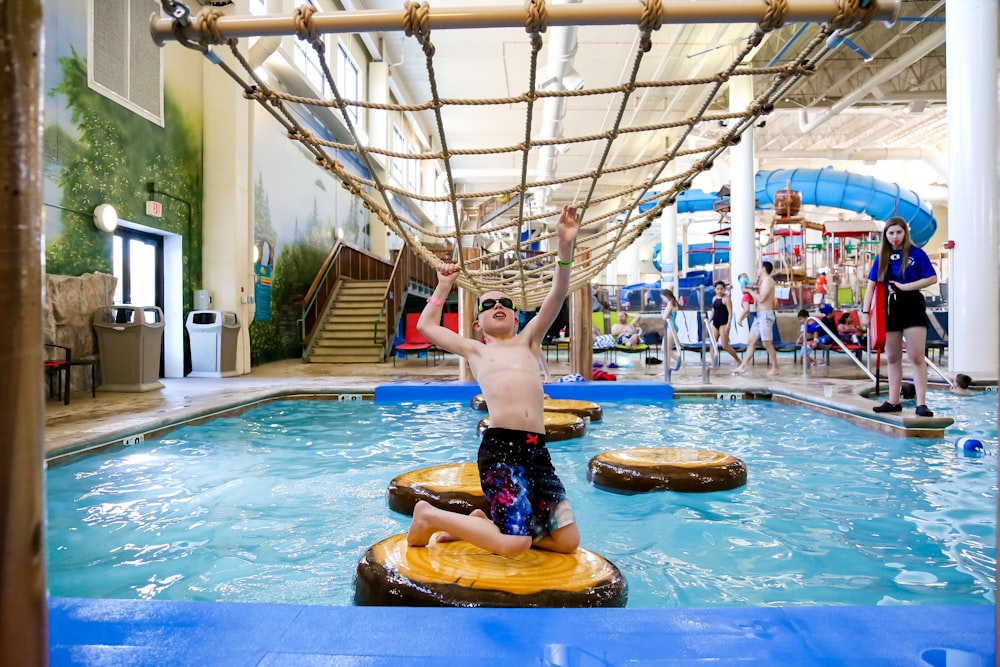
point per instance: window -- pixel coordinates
(398, 164)
(123, 62)
(348, 79)
(307, 60)
(412, 170)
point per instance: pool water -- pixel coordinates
(279, 503)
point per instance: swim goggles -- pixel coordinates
(489, 304)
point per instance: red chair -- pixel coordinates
(414, 342)
(58, 369)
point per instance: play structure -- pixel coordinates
(843, 249)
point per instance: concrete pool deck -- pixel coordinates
(130, 632)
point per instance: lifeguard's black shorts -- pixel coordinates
(904, 310)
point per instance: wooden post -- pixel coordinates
(466, 317)
(23, 602)
(581, 352)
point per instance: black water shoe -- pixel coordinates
(889, 407)
(923, 411)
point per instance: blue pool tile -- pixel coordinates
(140, 633)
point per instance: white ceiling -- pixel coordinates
(891, 106)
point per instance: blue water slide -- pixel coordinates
(820, 187)
(688, 201)
(853, 192)
(699, 254)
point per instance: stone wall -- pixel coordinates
(68, 312)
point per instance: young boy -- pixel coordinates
(528, 503)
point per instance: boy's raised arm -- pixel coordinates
(429, 323)
(569, 226)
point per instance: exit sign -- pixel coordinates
(154, 209)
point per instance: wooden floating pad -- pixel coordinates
(478, 402)
(558, 426)
(457, 574)
(666, 468)
(453, 486)
(592, 411)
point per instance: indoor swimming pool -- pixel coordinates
(278, 503)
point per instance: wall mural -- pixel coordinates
(97, 151)
(299, 208)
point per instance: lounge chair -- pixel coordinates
(413, 341)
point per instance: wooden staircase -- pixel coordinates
(348, 333)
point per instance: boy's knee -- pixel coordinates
(515, 545)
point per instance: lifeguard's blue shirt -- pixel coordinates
(919, 266)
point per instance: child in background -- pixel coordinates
(806, 334)
(747, 300)
(962, 386)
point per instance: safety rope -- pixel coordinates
(495, 254)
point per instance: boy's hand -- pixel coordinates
(569, 224)
(447, 275)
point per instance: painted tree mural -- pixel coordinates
(116, 155)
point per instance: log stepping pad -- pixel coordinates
(453, 486)
(558, 426)
(458, 574)
(666, 468)
(578, 408)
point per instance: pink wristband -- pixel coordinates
(435, 301)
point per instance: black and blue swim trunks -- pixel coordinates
(520, 484)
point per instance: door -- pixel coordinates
(137, 262)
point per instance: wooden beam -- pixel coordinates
(23, 601)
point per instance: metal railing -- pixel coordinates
(671, 330)
(343, 261)
(834, 338)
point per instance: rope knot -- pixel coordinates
(774, 17)
(416, 21)
(538, 16)
(857, 13)
(304, 27)
(652, 16)
(208, 27)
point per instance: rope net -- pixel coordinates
(609, 223)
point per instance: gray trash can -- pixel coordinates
(214, 335)
(129, 340)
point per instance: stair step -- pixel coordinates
(352, 337)
(347, 334)
(345, 359)
(353, 316)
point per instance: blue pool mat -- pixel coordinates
(404, 392)
(141, 633)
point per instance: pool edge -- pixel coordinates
(138, 632)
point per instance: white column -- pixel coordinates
(685, 258)
(971, 51)
(378, 134)
(227, 236)
(742, 249)
(668, 249)
(631, 257)
(611, 272)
